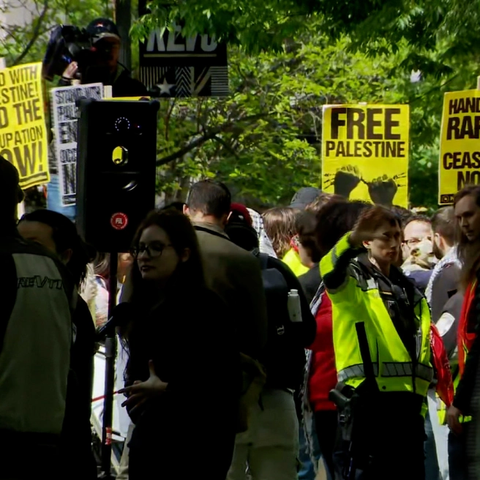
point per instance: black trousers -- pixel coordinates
(182, 452)
(326, 425)
(390, 450)
(25, 457)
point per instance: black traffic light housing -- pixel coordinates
(116, 170)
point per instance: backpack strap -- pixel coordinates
(263, 257)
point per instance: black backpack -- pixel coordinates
(284, 355)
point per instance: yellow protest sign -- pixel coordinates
(23, 136)
(459, 163)
(365, 152)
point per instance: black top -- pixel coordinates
(284, 354)
(126, 86)
(310, 282)
(309, 326)
(420, 278)
(190, 338)
(444, 286)
(123, 85)
(454, 308)
(77, 433)
(464, 393)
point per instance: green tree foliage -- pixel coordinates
(287, 59)
(448, 28)
(25, 39)
(264, 140)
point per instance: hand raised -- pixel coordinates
(71, 71)
(370, 225)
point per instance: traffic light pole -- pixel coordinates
(110, 354)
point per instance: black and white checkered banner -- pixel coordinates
(174, 66)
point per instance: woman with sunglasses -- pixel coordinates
(182, 375)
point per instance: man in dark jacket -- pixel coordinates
(230, 271)
(445, 278)
(36, 335)
(270, 448)
(461, 455)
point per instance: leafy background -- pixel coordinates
(287, 58)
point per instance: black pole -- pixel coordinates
(110, 354)
(123, 15)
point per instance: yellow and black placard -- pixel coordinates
(459, 163)
(23, 136)
(365, 152)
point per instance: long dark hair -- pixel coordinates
(188, 277)
(65, 237)
(334, 220)
(468, 252)
(182, 236)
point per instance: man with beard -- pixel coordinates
(446, 303)
(467, 213)
(443, 284)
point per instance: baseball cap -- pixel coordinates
(304, 197)
(101, 28)
(240, 213)
(10, 191)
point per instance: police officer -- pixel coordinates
(381, 330)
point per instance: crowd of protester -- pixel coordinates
(325, 339)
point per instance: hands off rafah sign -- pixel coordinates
(23, 137)
(175, 66)
(459, 163)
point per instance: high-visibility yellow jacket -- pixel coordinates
(442, 408)
(292, 260)
(356, 298)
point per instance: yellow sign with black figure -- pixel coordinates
(23, 135)
(459, 163)
(365, 152)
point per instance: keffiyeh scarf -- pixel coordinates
(449, 258)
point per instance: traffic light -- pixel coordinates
(116, 171)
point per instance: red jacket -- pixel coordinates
(323, 374)
(466, 331)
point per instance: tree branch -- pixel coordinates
(36, 34)
(206, 137)
(170, 108)
(225, 145)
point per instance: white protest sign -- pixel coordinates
(65, 118)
